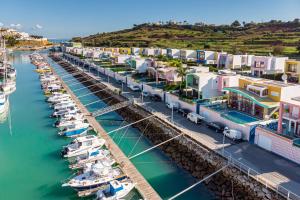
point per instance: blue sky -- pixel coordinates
(68, 18)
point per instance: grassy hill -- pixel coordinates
(258, 38)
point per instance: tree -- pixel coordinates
(206, 46)
(12, 41)
(277, 50)
(181, 73)
(236, 23)
(298, 47)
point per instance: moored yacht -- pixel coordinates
(3, 102)
(97, 176)
(82, 145)
(115, 190)
(61, 124)
(75, 130)
(91, 156)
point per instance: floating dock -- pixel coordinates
(129, 169)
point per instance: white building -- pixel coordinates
(173, 53)
(267, 65)
(233, 61)
(148, 52)
(135, 51)
(189, 55)
(204, 83)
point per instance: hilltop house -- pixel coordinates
(135, 51)
(148, 52)
(292, 69)
(160, 52)
(206, 57)
(188, 55)
(173, 53)
(267, 65)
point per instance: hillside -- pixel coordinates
(258, 38)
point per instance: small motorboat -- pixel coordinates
(91, 156)
(65, 112)
(3, 102)
(115, 190)
(75, 130)
(97, 176)
(61, 124)
(71, 116)
(82, 145)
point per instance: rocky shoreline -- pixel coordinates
(230, 183)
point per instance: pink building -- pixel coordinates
(289, 115)
(227, 80)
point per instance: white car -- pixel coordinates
(174, 105)
(194, 117)
(134, 87)
(233, 134)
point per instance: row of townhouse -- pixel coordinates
(249, 99)
(259, 65)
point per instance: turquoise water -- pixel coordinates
(30, 165)
(239, 117)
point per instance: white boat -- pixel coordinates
(91, 156)
(54, 87)
(115, 190)
(98, 176)
(63, 113)
(65, 105)
(11, 73)
(3, 102)
(75, 130)
(64, 123)
(82, 145)
(70, 116)
(9, 87)
(56, 100)
(58, 96)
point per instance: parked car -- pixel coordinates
(120, 82)
(194, 117)
(145, 94)
(134, 88)
(217, 126)
(183, 111)
(155, 97)
(233, 134)
(174, 105)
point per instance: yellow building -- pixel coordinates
(125, 50)
(259, 97)
(292, 69)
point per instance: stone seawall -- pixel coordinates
(230, 183)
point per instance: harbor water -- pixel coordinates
(30, 165)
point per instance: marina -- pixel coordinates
(59, 169)
(149, 100)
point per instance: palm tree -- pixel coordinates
(181, 73)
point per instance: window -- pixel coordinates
(265, 92)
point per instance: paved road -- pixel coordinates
(271, 166)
